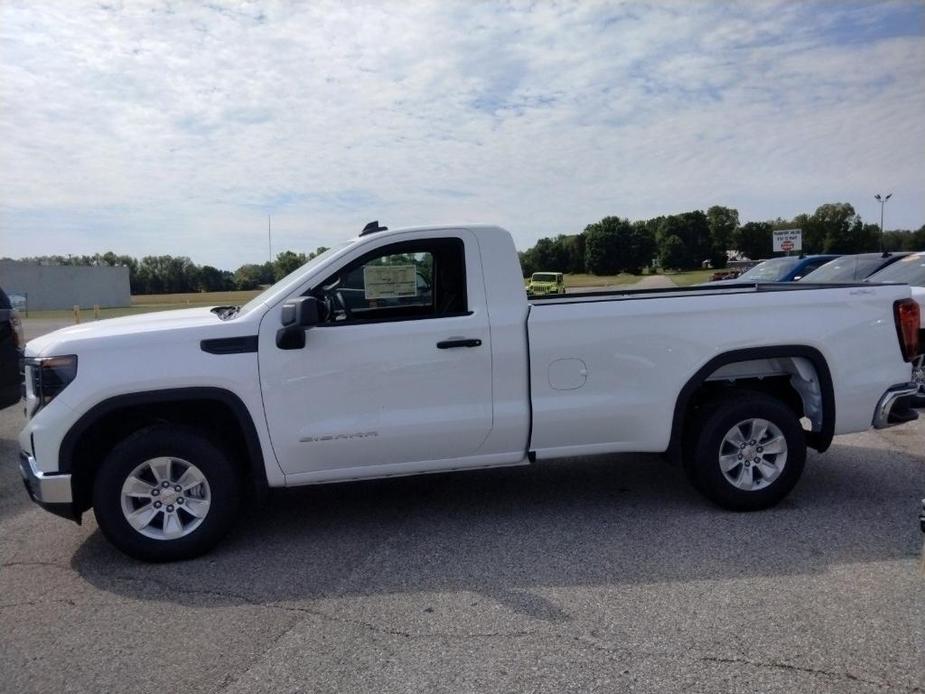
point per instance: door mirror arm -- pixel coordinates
(297, 316)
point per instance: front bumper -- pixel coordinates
(51, 492)
(894, 406)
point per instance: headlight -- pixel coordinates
(48, 376)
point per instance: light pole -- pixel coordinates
(882, 201)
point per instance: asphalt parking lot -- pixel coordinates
(597, 574)
(594, 574)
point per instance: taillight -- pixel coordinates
(906, 312)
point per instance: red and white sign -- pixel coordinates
(786, 240)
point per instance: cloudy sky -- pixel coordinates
(176, 127)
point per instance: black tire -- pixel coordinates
(222, 475)
(717, 418)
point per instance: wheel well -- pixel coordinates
(797, 376)
(778, 387)
(87, 445)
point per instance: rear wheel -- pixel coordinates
(748, 452)
(166, 493)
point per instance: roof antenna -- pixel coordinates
(372, 228)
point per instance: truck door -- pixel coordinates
(399, 371)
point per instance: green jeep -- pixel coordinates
(546, 283)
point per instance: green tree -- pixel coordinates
(754, 240)
(693, 230)
(608, 246)
(833, 228)
(641, 248)
(673, 254)
(895, 239)
(841, 229)
(904, 240)
(575, 251)
(527, 267)
(286, 262)
(916, 240)
(867, 237)
(211, 279)
(722, 222)
(248, 276)
(549, 255)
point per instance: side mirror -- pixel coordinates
(304, 312)
(297, 316)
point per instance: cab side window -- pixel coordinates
(410, 280)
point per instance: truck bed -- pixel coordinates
(606, 368)
(696, 290)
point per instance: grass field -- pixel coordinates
(684, 279)
(194, 299)
(157, 302)
(583, 280)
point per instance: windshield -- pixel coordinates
(770, 270)
(301, 269)
(909, 270)
(848, 268)
(544, 277)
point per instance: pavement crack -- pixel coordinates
(799, 668)
(617, 650)
(344, 620)
(34, 603)
(10, 564)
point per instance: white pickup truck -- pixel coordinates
(417, 350)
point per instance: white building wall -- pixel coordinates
(64, 286)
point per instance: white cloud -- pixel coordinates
(176, 127)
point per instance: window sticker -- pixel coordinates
(389, 281)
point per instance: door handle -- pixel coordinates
(459, 342)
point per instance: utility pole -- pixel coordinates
(882, 201)
(269, 239)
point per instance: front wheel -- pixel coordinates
(166, 493)
(748, 453)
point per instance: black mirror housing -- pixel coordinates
(297, 316)
(304, 312)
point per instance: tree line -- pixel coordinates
(167, 274)
(685, 241)
(607, 247)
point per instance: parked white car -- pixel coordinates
(166, 424)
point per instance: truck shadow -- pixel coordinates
(500, 533)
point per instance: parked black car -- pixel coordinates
(11, 350)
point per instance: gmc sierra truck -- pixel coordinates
(417, 351)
